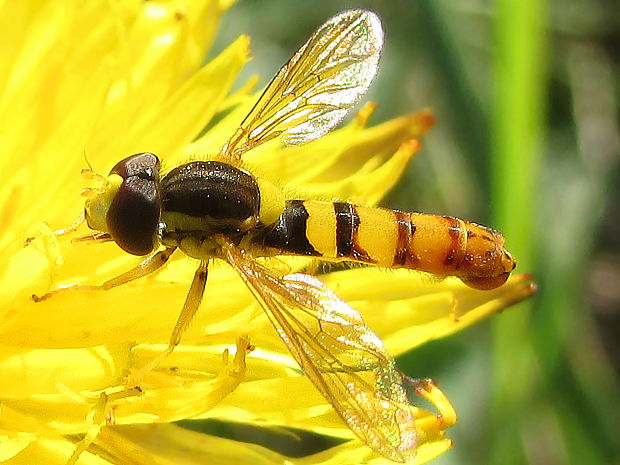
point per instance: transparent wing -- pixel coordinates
(344, 359)
(318, 86)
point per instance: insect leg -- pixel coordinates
(72, 227)
(190, 307)
(62, 232)
(145, 267)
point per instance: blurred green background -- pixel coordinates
(526, 97)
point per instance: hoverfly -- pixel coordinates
(216, 209)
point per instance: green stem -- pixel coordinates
(516, 128)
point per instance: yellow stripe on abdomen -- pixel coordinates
(321, 227)
(377, 234)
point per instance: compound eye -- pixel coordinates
(135, 211)
(145, 165)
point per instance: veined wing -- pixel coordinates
(344, 359)
(318, 86)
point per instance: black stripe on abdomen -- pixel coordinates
(347, 225)
(289, 233)
(403, 254)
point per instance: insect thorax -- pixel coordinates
(202, 199)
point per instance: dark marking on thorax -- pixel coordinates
(211, 189)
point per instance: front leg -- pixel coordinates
(145, 267)
(75, 224)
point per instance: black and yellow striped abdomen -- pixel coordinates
(440, 245)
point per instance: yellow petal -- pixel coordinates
(191, 107)
(12, 443)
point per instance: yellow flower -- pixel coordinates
(101, 80)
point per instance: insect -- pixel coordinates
(217, 209)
